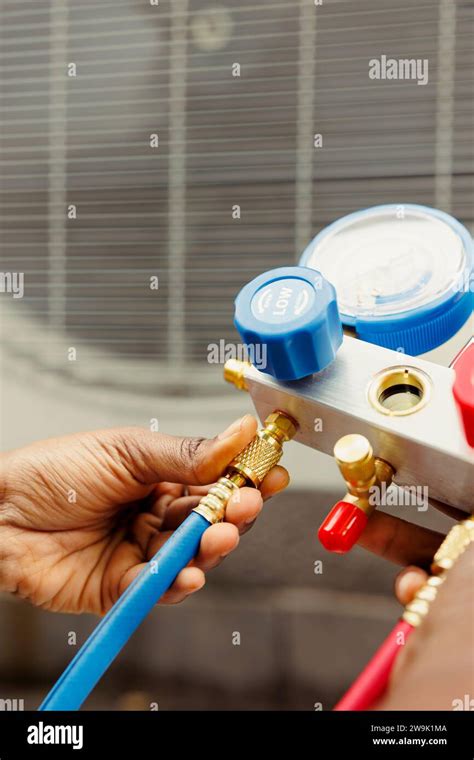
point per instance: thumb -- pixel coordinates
(155, 457)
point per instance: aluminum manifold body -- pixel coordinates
(425, 444)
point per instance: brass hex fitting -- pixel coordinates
(360, 469)
(419, 606)
(265, 450)
(250, 466)
(455, 543)
(356, 462)
(281, 426)
(234, 372)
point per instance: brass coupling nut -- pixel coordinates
(455, 543)
(250, 466)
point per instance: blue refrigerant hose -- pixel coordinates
(113, 632)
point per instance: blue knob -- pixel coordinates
(289, 318)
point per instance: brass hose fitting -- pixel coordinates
(455, 543)
(360, 470)
(234, 372)
(250, 466)
(419, 606)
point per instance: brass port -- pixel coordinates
(399, 391)
(355, 458)
(361, 470)
(234, 372)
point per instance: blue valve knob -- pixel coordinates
(291, 314)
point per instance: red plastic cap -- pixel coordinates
(463, 390)
(342, 527)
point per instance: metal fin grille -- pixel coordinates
(224, 142)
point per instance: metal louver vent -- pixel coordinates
(223, 140)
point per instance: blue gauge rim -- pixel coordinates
(436, 306)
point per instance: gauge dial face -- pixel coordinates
(384, 263)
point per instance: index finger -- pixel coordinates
(400, 541)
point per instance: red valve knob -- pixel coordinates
(342, 527)
(463, 390)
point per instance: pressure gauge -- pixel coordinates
(402, 274)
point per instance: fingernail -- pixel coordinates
(283, 487)
(232, 429)
(194, 589)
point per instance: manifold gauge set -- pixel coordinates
(370, 333)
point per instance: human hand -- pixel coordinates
(81, 515)
(434, 669)
(405, 543)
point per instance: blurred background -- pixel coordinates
(140, 211)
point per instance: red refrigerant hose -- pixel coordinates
(372, 682)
